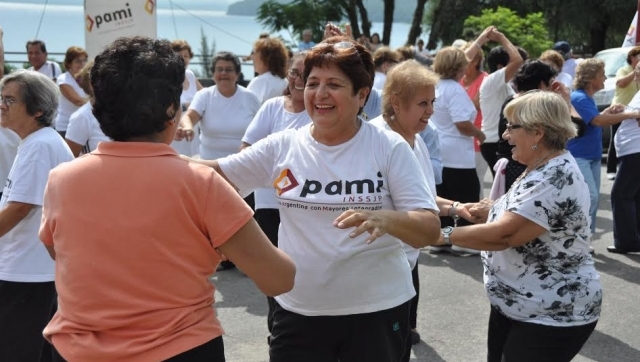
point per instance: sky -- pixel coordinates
(218, 5)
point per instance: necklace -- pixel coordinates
(527, 171)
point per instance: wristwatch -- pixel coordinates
(446, 232)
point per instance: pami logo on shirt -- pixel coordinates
(285, 182)
(343, 187)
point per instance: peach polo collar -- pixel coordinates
(134, 149)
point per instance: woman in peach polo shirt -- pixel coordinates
(136, 231)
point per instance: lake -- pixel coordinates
(63, 26)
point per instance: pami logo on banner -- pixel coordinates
(105, 21)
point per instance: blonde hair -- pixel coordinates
(545, 110)
(553, 57)
(586, 71)
(403, 81)
(449, 62)
(84, 77)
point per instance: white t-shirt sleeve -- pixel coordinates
(199, 102)
(252, 167)
(262, 124)
(407, 184)
(461, 108)
(28, 180)
(79, 129)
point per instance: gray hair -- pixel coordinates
(538, 109)
(38, 93)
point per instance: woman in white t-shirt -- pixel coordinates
(453, 116)
(408, 98)
(189, 88)
(28, 104)
(350, 301)
(84, 132)
(270, 58)
(72, 96)
(275, 115)
(544, 291)
(224, 110)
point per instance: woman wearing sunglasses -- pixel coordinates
(347, 192)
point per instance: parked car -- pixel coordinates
(614, 59)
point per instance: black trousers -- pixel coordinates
(625, 204)
(269, 222)
(489, 152)
(458, 184)
(513, 341)
(413, 312)
(25, 309)
(372, 337)
(212, 351)
(612, 159)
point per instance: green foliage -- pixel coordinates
(299, 15)
(529, 32)
(206, 54)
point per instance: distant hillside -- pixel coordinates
(403, 12)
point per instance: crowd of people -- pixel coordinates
(321, 180)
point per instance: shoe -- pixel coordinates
(460, 250)
(592, 251)
(225, 265)
(432, 249)
(613, 249)
(415, 337)
(611, 176)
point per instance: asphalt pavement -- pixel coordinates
(453, 310)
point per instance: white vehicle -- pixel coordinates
(614, 59)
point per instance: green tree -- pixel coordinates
(529, 32)
(206, 54)
(299, 15)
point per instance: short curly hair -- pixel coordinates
(135, 81)
(179, 45)
(403, 81)
(531, 73)
(273, 54)
(586, 71)
(71, 55)
(554, 57)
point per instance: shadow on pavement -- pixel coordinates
(239, 291)
(613, 267)
(424, 352)
(604, 348)
(469, 265)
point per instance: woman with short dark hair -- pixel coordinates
(146, 224)
(349, 193)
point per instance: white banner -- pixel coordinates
(106, 21)
(630, 39)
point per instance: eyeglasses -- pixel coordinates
(294, 74)
(511, 127)
(8, 101)
(224, 70)
(337, 46)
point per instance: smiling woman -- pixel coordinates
(352, 272)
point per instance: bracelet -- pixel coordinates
(452, 210)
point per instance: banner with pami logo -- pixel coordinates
(106, 21)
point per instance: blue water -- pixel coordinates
(63, 26)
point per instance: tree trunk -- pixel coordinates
(388, 21)
(598, 34)
(364, 16)
(352, 15)
(416, 29)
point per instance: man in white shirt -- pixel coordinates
(37, 54)
(570, 63)
(503, 61)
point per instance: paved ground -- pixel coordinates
(453, 310)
